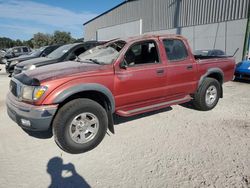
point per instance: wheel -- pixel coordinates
(80, 125)
(207, 95)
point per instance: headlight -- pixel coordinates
(29, 67)
(14, 62)
(33, 93)
(38, 92)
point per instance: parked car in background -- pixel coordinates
(2, 54)
(213, 52)
(41, 52)
(242, 70)
(77, 99)
(64, 53)
(17, 51)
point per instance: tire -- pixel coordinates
(204, 98)
(80, 125)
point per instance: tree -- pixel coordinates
(28, 43)
(6, 42)
(41, 39)
(61, 37)
(18, 42)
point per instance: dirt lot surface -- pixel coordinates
(174, 147)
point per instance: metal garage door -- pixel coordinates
(123, 30)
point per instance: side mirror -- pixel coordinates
(43, 55)
(124, 64)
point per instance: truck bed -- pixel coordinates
(225, 63)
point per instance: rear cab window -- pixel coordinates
(175, 50)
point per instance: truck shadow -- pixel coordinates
(119, 119)
(40, 135)
(188, 105)
(242, 81)
(64, 175)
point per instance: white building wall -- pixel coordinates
(227, 36)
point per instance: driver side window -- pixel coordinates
(142, 53)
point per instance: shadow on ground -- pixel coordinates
(117, 120)
(64, 175)
(242, 81)
(189, 105)
(40, 135)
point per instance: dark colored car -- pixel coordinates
(242, 70)
(213, 52)
(64, 53)
(41, 52)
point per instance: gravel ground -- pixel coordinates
(174, 147)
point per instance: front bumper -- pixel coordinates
(39, 117)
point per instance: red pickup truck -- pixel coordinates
(77, 99)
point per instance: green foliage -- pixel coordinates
(39, 40)
(61, 37)
(6, 42)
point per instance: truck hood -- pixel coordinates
(22, 58)
(65, 69)
(36, 61)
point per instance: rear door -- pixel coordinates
(181, 68)
(141, 75)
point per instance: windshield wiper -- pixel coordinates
(95, 61)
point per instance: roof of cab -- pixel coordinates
(149, 36)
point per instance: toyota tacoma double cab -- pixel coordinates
(131, 76)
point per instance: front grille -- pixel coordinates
(13, 88)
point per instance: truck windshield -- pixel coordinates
(105, 54)
(59, 52)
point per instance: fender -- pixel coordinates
(212, 71)
(86, 87)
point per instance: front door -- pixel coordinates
(142, 75)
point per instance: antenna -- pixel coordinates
(235, 52)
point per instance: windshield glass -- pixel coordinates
(59, 52)
(105, 54)
(9, 51)
(37, 52)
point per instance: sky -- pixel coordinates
(20, 19)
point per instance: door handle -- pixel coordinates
(189, 67)
(160, 71)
